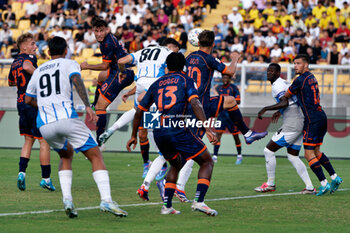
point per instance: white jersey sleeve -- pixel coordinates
(32, 88)
(151, 61)
(279, 88)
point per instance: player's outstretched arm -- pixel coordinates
(200, 115)
(136, 124)
(80, 87)
(282, 104)
(86, 66)
(231, 69)
(131, 92)
(28, 67)
(123, 61)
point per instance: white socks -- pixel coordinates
(65, 177)
(102, 180)
(270, 166)
(123, 120)
(184, 175)
(301, 170)
(155, 168)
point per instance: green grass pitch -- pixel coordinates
(246, 213)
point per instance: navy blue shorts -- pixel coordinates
(179, 141)
(226, 123)
(111, 88)
(27, 121)
(211, 109)
(314, 133)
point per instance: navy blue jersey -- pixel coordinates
(171, 94)
(19, 76)
(305, 87)
(229, 90)
(111, 51)
(200, 67)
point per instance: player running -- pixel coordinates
(20, 74)
(227, 89)
(289, 135)
(305, 87)
(109, 85)
(171, 94)
(151, 65)
(51, 91)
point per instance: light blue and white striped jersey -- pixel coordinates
(52, 86)
(151, 61)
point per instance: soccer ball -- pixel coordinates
(193, 36)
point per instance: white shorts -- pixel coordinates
(72, 130)
(292, 140)
(143, 84)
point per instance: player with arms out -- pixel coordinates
(109, 85)
(151, 65)
(305, 87)
(200, 67)
(20, 74)
(51, 91)
(289, 135)
(172, 93)
(227, 89)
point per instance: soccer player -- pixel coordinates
(200, 67)
(109, 84)
(20, 74)
(289, 135)
(172, 93)
(51, 91)
(228, 89)
(305, 87)
(151, 65)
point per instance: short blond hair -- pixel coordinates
(23, 38)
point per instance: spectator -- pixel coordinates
(229, 39)
(250, 48)
(71, 20)
(31, 11)
(253, 12)
(187, 21)
(345, 11)
(135, 16)
(310, 20)
(324, 55)
(183, 39)
(325, 39)
(224, 25)
(276, 52)
(248, 28)
(57, 19)
(127, 36)
(258, 38)
(309, 38)
(277, 27)
(289, 51)
(79, 41)
(331, 30)
(264, 28)
(258, 21)
(5, 36)
(303, 46)
(346, 60)
(150, 41)
(235, 17)
(113, 25)
(141, 7)
(136, 44)
(67, 35)
(128, 7)
(324, 21)
(316, 49)
(312, 58)
(317, 12)
(270, 40)
(342, 34)
(41, 40)
(10, 17)
(334, 56)
(163, 18)
(268, 10)
(299, 24)
(43, 11)
(315, 31)
(197, 18)
(168, 7)
(344, 49)
(305, 10)
(261, 5)
(218, 36)
(237, 46)
(14, 51)
(120, 17)
(263, 50)
(174, 33)
(90, 40)
(331, 9)
(338, 19)
(155, 6)
(247, 4)
(33, 30)
(174, 17)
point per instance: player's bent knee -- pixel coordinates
(229, 102)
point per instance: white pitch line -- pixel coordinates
(158, 203)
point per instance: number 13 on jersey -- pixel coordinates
(169, 92)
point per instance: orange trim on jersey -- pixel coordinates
(218, 108)
(203, 181)
(107, 61)
(100, 112)
(140, 127)
(28, 61)
(309, 144)
(319, 144)
(170, 185)
(238, 99)
(234, 108)
(39, 138)
(312, 161)
(235, 133)
(104, 97)
(191, 97)
(289, 92)
(142, 108)
(220, 130)
(28, 135)
(108, 72)
(224, 71)
(239, 145)
(99, 83)
(198, 153)
(144, 143)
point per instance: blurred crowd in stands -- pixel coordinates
(136, 23)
